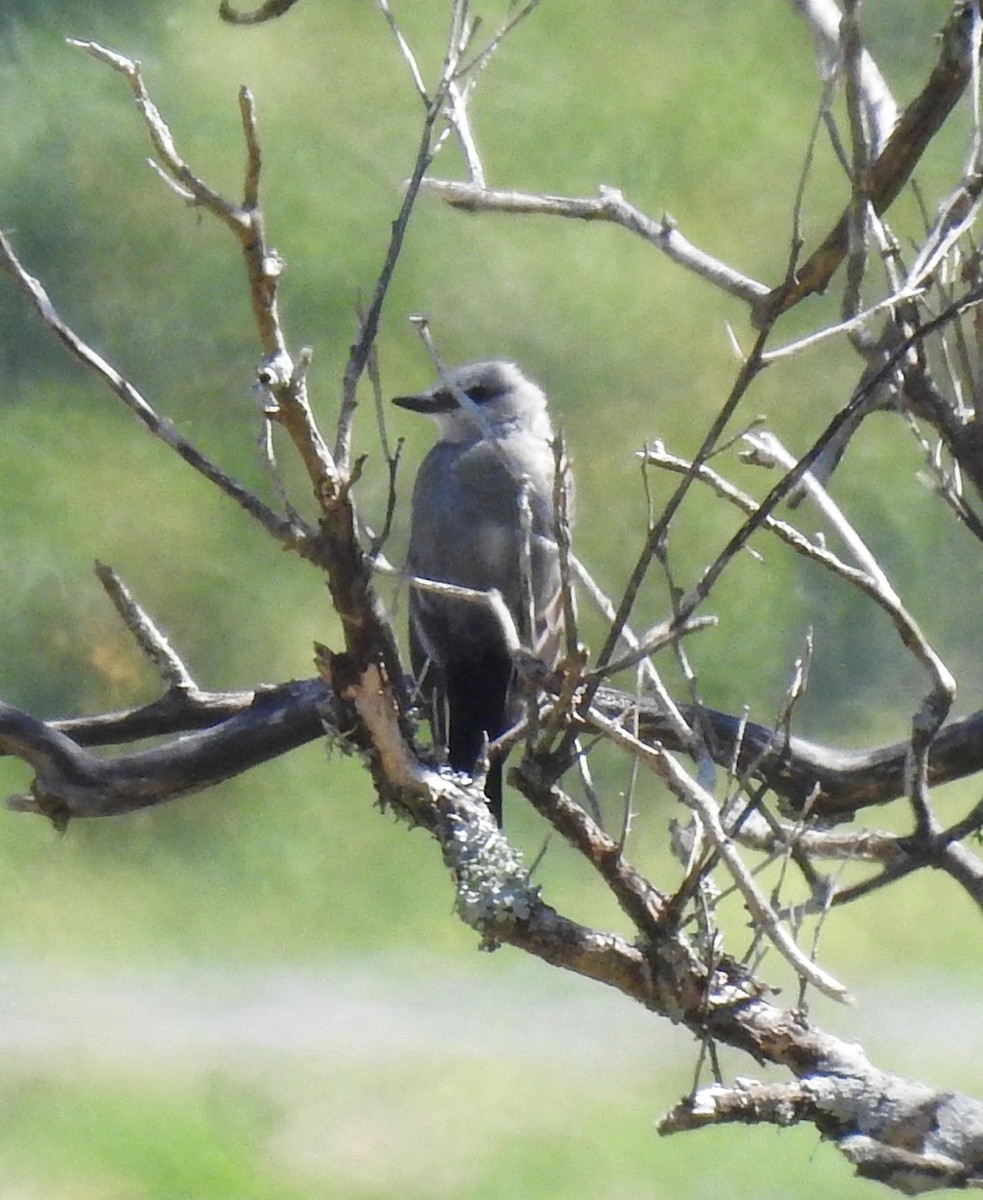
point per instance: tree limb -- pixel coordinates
(611, 207)
(833, 784)
(896, 1131)
(71, 782)
(891, 170)
(888, 174)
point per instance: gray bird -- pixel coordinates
(468, 529)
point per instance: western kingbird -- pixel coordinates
(482, 518)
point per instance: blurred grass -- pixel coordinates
(104, 1142)
(405, 1131)
(701, 111)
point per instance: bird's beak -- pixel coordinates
(437, 401)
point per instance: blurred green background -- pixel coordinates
(263, 991)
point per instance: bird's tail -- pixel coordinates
(477, 704)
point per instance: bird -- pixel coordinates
(467, 528)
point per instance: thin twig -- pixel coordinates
(282, 530)
(658, 530)
(148, 637)
(611, 207)
(842, 327)
(448, 80)
(693, 796)
(936, 704)
(406, 51)
(880, 111)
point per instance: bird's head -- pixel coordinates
(479, 398)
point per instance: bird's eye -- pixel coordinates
(481, 393)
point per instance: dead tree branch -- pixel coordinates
(158, 426)
(824, 19)
(611, 207)
(888, 173)
(892, 168)
(836, 784)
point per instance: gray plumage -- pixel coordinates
(467, 529)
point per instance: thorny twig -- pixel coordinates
(691, 794)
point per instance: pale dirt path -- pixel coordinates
(360, 1078)
(385, 1008)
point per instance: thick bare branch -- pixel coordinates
(637, 897)
(906, 1135)
(835, 784)
(71, 782)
